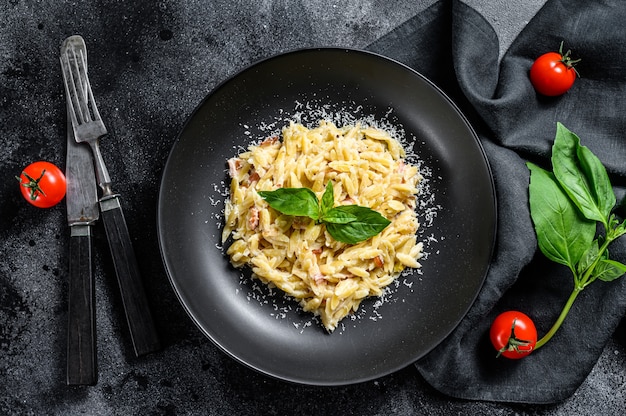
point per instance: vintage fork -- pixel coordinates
(86, 121)
(89, 127)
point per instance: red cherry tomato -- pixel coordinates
(553, 73)
(513, 334)
(42, 184)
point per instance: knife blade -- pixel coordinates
(82, 213)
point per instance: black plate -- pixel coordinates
(262, 329)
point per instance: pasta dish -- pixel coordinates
(366, 166)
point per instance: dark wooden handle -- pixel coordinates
(138, 315)
(81, 336)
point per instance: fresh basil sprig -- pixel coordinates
(565, 206)
(349, 224)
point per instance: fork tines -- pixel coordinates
(83, 107)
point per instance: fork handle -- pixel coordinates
(81, 333)
(138, 315)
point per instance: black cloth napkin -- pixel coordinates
(456, 48)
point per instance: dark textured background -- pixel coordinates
(151, 63)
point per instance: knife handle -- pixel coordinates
(81, 335)
(138, 316)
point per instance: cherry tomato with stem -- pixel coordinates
(42, 184)
(513, 335)
(553, 73)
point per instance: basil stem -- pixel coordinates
(580, 284)
(559, 320)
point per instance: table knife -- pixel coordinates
(82, 213)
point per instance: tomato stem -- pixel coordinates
(567, 60)
(32, 184)
(514, 343)
(559, 321)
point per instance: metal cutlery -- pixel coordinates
(89, 128)
(82, 213)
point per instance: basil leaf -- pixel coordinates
(609, 270)
(563, 235)
(617, 229)
(338, 216)
(599, 179)
(368, 223)
(328, 199)
(293, 201)
(589, 256)
(582, 176)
